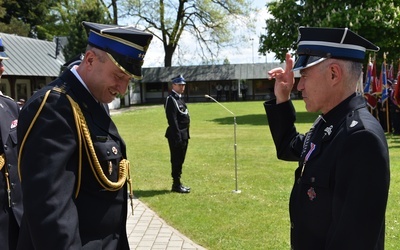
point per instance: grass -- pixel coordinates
(212, 215)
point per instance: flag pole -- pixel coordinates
(387, 93)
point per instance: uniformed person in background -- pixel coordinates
(73, 167)
(341, 185)
(219, 91)
(10, 187)
(177, 131)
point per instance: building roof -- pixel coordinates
(210, 72)
(31, 57)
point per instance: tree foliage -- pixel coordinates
(376, 20)
(91, 11)
(28, 12)
(210, 22)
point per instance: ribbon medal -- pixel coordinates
(311, 194)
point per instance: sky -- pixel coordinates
(246, 53)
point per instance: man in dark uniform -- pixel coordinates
(73, 167)
(340, 191)
(10, 189)
(177, 131)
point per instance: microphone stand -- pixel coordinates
(234, 146)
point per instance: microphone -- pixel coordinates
(237, 191)
(210, 97)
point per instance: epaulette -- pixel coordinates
(6, 96)
(62, 88)
(354, 122)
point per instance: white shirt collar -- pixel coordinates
(73, 70)
(177, 93)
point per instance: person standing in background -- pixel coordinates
(234, 89)
(226, 90)
(219, 91)
(10, 186)
(177, 131)
(243, 90)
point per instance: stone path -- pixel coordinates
(146, 230)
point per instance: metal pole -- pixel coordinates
(235, 144)
(235, 147)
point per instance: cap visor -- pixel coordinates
(306, 61)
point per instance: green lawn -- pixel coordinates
(212, 215)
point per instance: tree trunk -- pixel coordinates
(168, 56)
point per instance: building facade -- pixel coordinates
(32, 64)
(202, 80)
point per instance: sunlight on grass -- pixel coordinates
(212, 215)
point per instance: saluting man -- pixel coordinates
(10, 188)
(341, 185)
(73, 163)
(177, 132)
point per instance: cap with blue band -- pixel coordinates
(126, 45)
(178, 80)
(318, 44)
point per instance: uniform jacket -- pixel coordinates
(178, 118)
(53, 218)
(340, 200)
(8, 127)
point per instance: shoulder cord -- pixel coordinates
(6, 176)
(83, 131)
(177, 107)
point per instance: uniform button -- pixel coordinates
(291, 225)
(5, 147)
(12, 185)
(9, 166)
(108, 152)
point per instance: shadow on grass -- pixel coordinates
(261, 119)
(393, 140)
(150, 193)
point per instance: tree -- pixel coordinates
(28, 12)
(15, 26)
(91, 11)
(113, 4)
(376, 20)
(211, 22)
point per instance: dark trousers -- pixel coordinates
(177, 155)
(9, 228)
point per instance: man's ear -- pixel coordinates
(336, 72)
(89, 57)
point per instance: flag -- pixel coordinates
(390, 75)
(396, 94)
(368, 78)
(376, 87)
(383, 83)
(370, 85)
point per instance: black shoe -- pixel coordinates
(188, 188)
(180, 189)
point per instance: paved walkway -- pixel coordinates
(148, 231)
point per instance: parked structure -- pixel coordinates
(33, 63)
